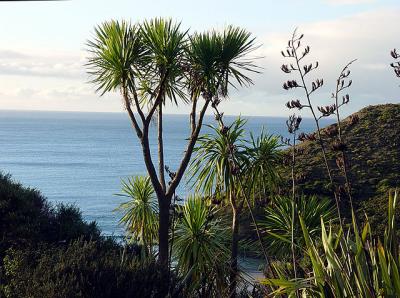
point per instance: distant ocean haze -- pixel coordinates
(80, 158)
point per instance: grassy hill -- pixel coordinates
(374, 160)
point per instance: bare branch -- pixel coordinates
(127, 102)
(193, 114)
(189, 150)
(137, 103)
(158, 99)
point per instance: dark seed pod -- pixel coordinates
(327, 110)
(285, 68)
(224, 130)
(394, 54)
(290, 84)
(293, 123)
(302, 137)
(311, 137)
(297, 122)
(294, 104)
(346, 99)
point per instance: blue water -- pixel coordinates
(80, 158)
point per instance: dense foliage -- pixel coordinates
(81, 269)
(50, 251)
(140, 212)
(276, 223)
(26, 218)
(349, 264)
(200, 248)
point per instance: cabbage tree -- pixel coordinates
(155, 63)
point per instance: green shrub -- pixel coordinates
(26, 218)
(80, 269)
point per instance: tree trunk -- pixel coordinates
(163, 201)
(143, 239)
(163, 230)
(234, 249)
(161, 147)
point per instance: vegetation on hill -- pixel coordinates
(373, 149)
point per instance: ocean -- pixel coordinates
(80, 158)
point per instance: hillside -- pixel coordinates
(374, 158)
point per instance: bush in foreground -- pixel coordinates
(26, 219)
(81, 269)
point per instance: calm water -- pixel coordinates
(80, 158)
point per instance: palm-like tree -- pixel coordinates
(154, 61)
(140, 213)
(117, 56)
(213, 164)
(200, 240)
(264, 157)
(215, 169)
(229, 167)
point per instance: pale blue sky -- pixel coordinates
(42, 48)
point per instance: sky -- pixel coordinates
(43, 52)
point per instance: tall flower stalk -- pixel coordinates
(342, 83)
(293, 125)
(295, 52)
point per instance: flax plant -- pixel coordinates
(352, 264)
